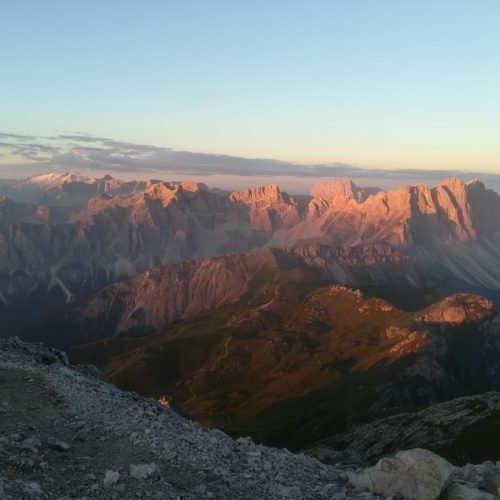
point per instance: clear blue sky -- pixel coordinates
(370, 83)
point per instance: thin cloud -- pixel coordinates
(69, 152)
(5, 135)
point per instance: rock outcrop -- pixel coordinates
(458, 308)
(459, 430)
(419, 474)
(413, 475)
(268, 208)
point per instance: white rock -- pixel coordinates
(57, 445)
(143, 471)
(413, 474)
(290, 492)
(492, 483)
(333, 491)
(32, 489)
(254, 454)
(469, 472)
(201, 489)
(111, 477)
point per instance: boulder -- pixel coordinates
(111, 478)
(492, 483)
(412, 474)
(143, 471)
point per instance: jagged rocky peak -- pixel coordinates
(269, 209)
(459, 308)
(271, 192)
(161, 190)
(192, 186)
(485, 208)
(455, 184)
(447, 211)
(108, 183)
(456, 189)
(174, 186)
(54, 179)
(328, 190)
(166, 191)
(451, 211)
(453, 193)
(476, 185)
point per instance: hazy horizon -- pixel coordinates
(98, 156)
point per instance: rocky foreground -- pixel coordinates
(65, 433)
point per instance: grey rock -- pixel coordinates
(492, 483)
(32, 489)
(31, 444)
(57, 445)
(333, 491)
(143, 471)
(458, 491)
(201, 489)
(441, 423)
(289, 492)
(111, 478)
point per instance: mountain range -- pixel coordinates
(77, 234)
(292, 319)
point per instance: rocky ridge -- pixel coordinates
(150, 300)
(65, 433)
(459, 429)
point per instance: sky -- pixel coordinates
(383, 85)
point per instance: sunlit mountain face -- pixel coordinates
(288, 318)
(65, 236)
